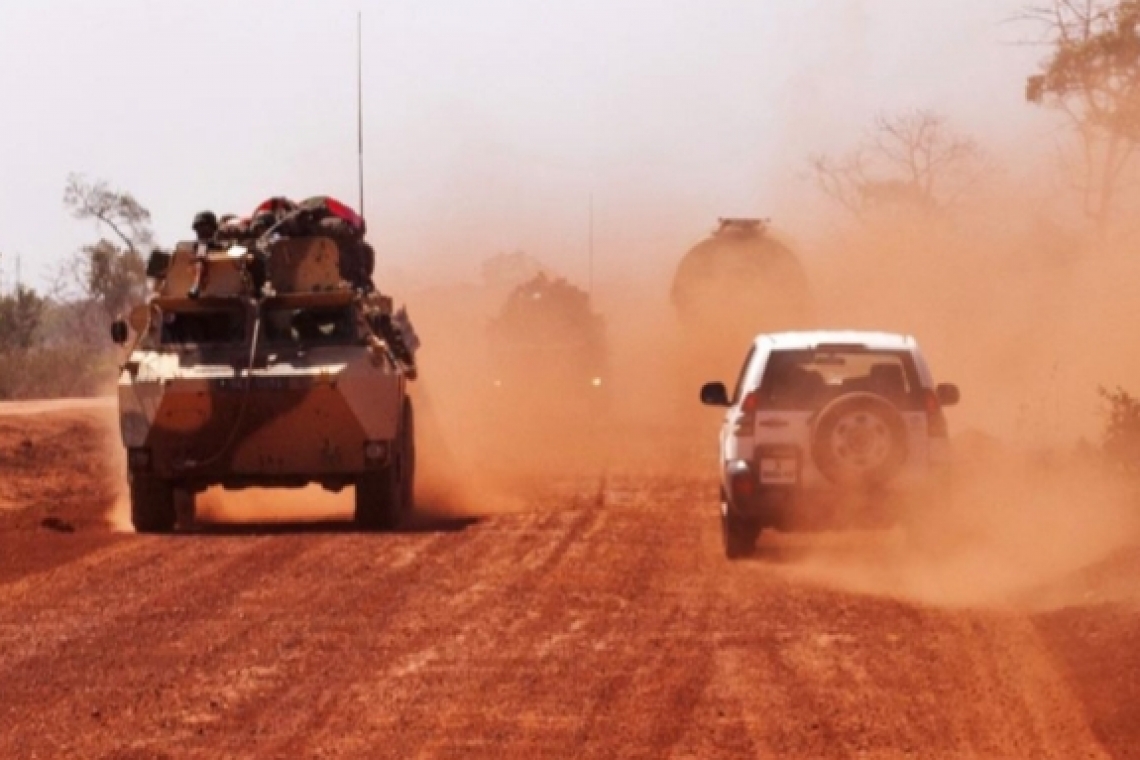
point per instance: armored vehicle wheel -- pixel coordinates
(738, 534)
(152, 505)
(384, 498)
(409, 482)
(185, 507)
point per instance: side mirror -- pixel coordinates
(714, 394)
(120, 332)
(948, 394)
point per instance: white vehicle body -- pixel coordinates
(826, 424)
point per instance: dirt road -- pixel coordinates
(580, 627)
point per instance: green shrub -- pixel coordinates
(56, 372)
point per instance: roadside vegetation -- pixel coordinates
(57, 344)
(911, 179)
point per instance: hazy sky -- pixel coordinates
(489, 123)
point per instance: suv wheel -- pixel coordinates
(152, 504)
(738, 534)
(384, 498)
(859, 440)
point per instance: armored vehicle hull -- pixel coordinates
(290, 381)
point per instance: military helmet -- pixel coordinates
(204, 219)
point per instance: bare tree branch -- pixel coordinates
(1092, 76)
(105, 273)
(124, 215)
(911, 159)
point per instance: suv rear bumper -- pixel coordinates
(822, 507)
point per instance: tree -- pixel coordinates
(119, 211)
(21, 314)
(109, 273)
(114, 278)
(1092, 76)
(913, 160)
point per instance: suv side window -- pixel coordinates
(743, 373)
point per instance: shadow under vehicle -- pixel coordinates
(260, 366)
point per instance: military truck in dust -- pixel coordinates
(742, 273)
(260, 365)
(739, 281)
(548, 351)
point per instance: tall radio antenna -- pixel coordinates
(360, 109)
(590, 249)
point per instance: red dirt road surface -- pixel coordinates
(600, 621)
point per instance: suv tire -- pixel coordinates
(738, 534)
(152, 504)
(859, 439)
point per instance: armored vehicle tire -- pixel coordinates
(385, 498)
(152, 505)
(739, 535)
(409, 481)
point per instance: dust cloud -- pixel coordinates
(1010, 532)
(1010, 294)
(1011, 297)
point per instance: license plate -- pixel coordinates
(778, 471)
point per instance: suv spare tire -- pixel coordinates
(859, 440)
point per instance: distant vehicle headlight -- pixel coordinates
(596, 382)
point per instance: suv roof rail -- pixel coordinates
(741, 224)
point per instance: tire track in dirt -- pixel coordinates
(172, 598)
(547, 662)
(575, 629)
(1096, 650)
(847, 675)
(528, 553)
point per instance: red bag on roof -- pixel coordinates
(278, 205)
(323, 206)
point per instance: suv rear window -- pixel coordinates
(806, 380)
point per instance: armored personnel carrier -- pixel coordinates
(546, 338)
(260, 365)
(548, 359)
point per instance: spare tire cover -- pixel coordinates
(859, 440)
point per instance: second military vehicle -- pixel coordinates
(549, 362)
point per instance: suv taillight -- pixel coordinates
(935, 419)
(750, 403)
(747, 421)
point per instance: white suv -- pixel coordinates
(826, 429)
